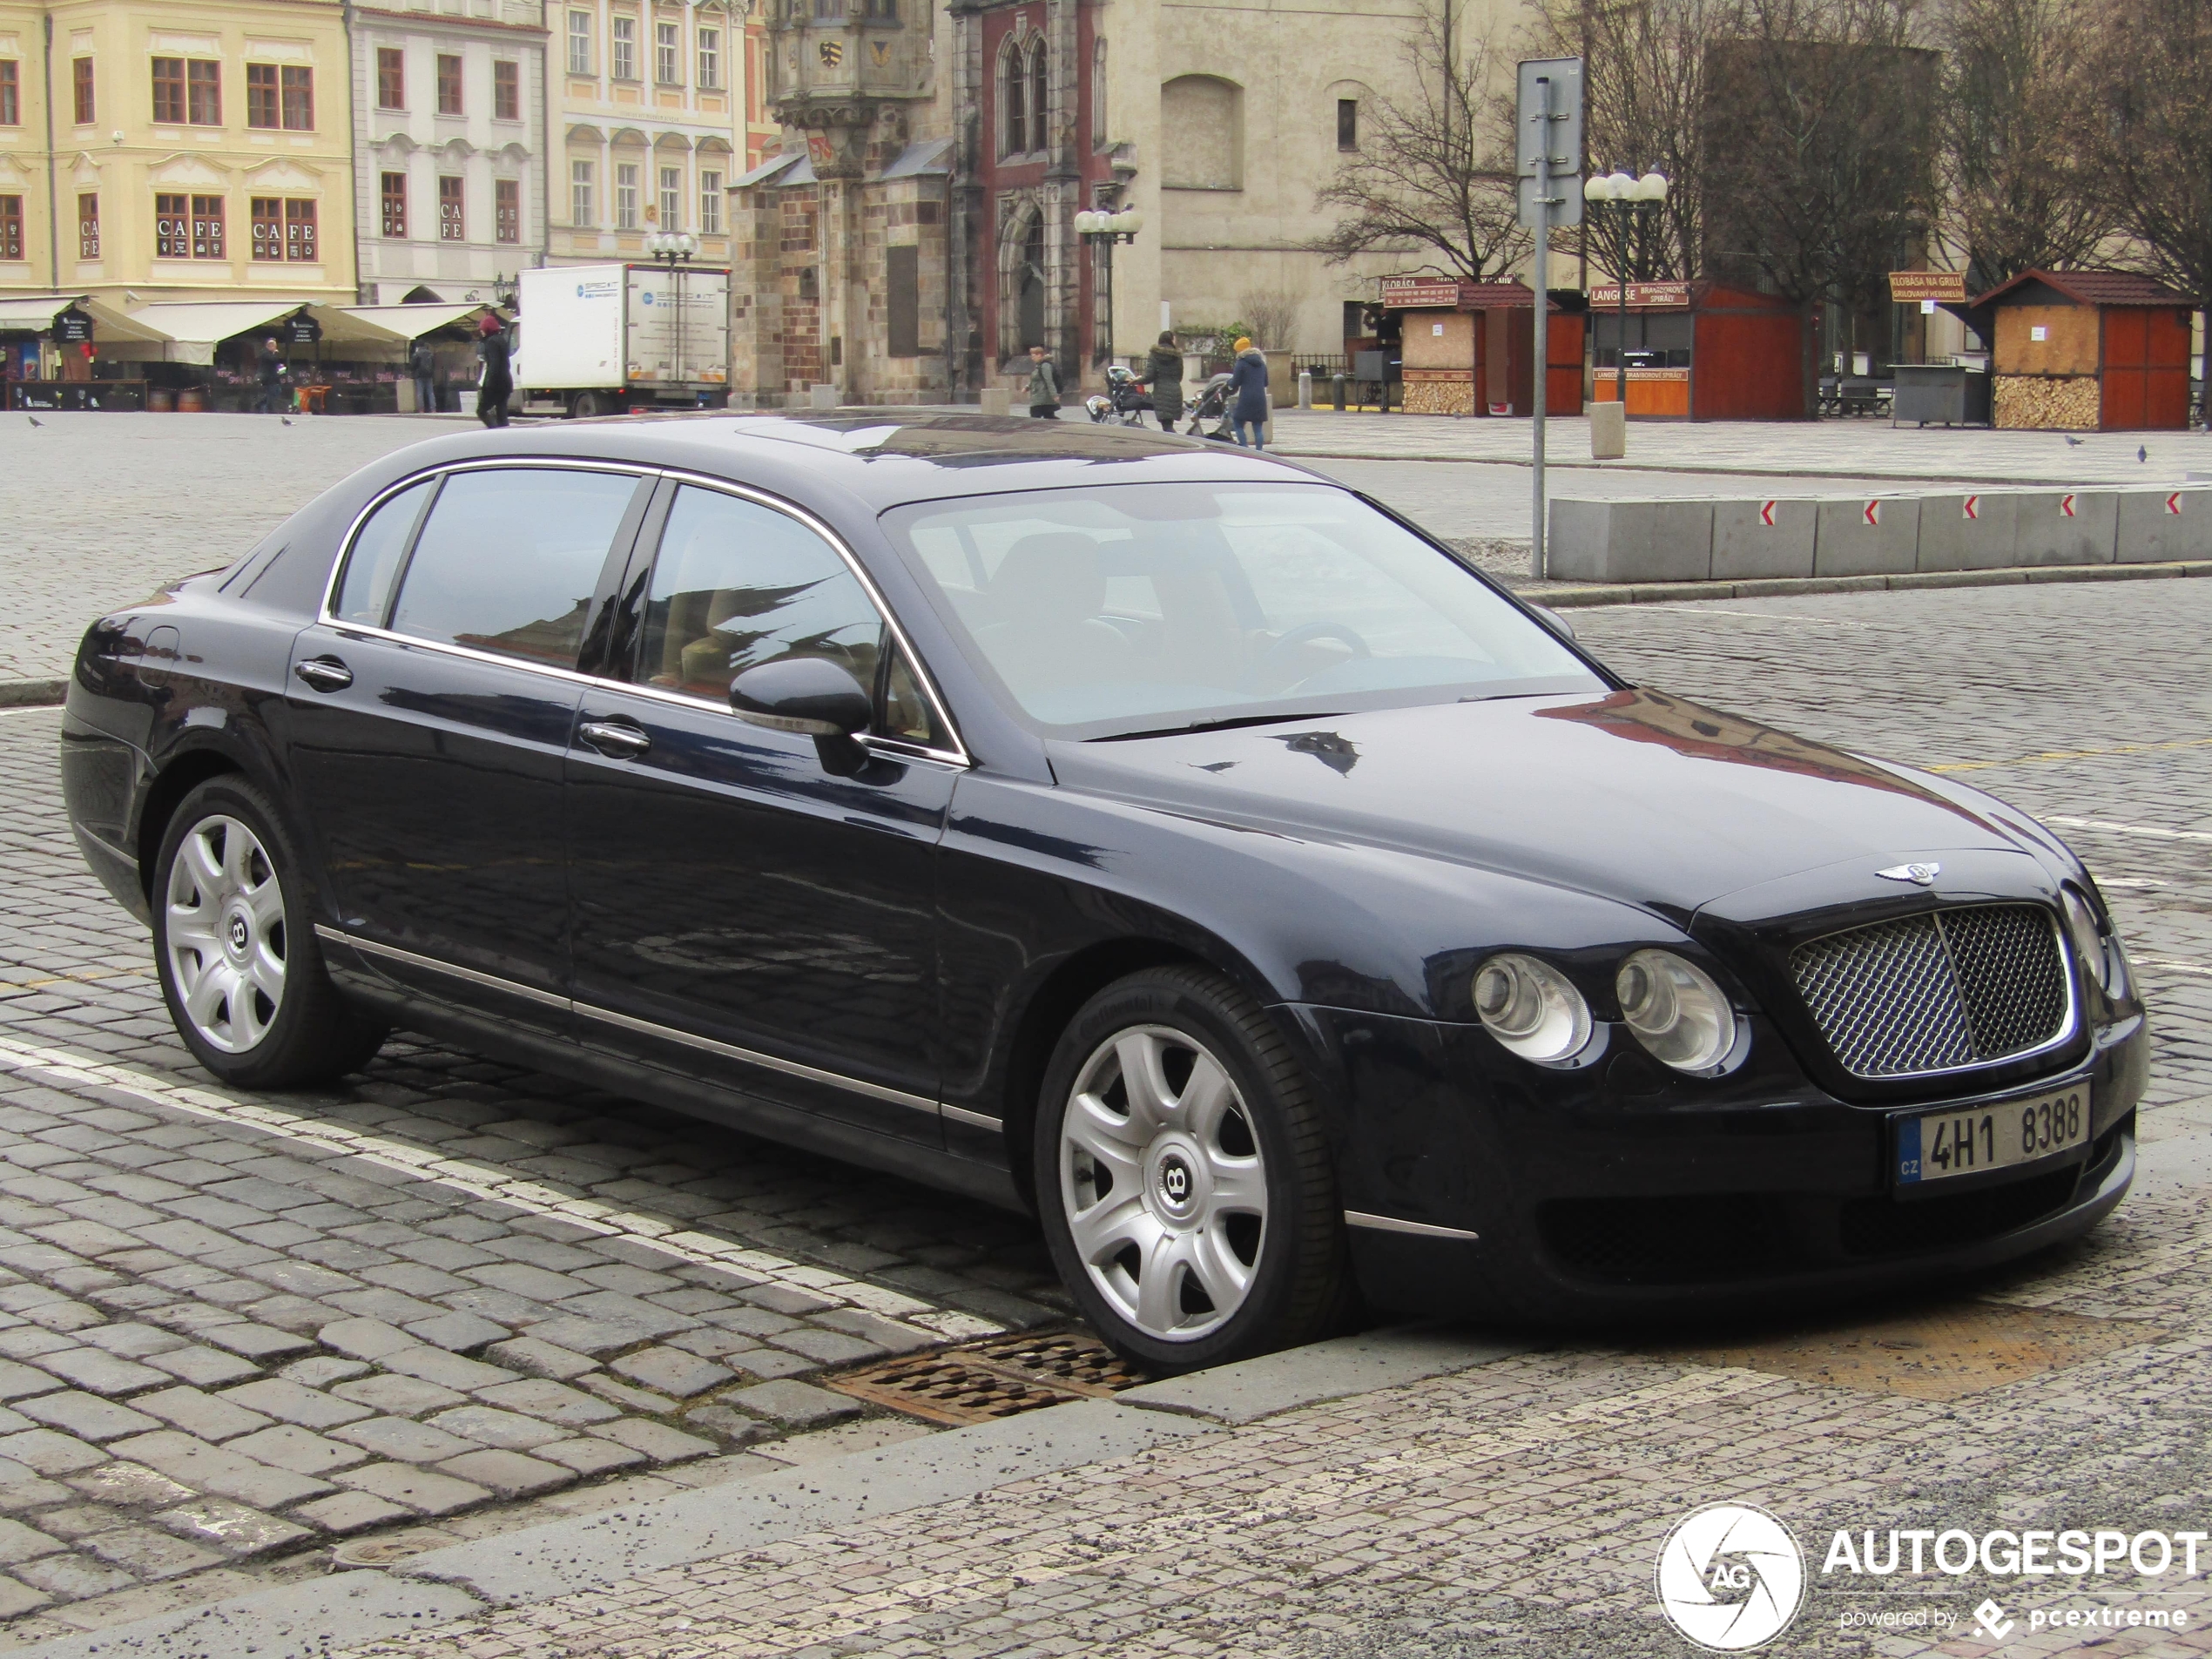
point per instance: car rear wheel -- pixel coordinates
(236, 949)
(1183, 1177)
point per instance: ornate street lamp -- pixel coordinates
(674, 248)
(1101, 229)
(1631, 199)
(672, 245)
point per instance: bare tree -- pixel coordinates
(2021, 189)
(1819, 152)
(1272, 313)
(1644, 86)
(1434, 173)
(2154, 78)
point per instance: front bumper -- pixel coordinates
(1590, 1202)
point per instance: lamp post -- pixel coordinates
(1630, 198)
(674, 249)
(1101, 229)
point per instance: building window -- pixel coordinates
(710, 202)
(299, 232)
(204, 92)
(1040, 100)
(393, 189)
(883, 10)
(1015, 97)
(827, 9)
(1347, 123)
(1098, 94)
(581, 210)
(263, 107)
(505, 91)
(285, 229)
(452, 226)
(299, 99)
(668, 54)
(626, 64)
(449, 84)
(268, 227)
(506, 210)
(579, 43)
(710, 60)
(168, 93)
(88, 223)
(11, 227)
(671, 199)
(11, 105)
(188, 227)
(625, 196)
(80, 73)
(391, 78)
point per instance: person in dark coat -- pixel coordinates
(422, 363)
(1163, 373)
(1248, 384)
(270, 361)
(499, 378)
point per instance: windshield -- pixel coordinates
(1124, 608)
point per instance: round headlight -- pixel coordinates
(1531, 1008)
(1675, 1010)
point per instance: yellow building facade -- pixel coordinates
(176, 150)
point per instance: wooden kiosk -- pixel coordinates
(2102, 351)
(1468, 347)
(1698, 351)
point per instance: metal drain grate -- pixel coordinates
(997, 1377)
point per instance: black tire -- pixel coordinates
(587, 406)
(1299, 1286)
(308, 1033)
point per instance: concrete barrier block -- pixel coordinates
(1631, 541)
(2065, 526)
(1865, 534)
(2158, 525)
(996, 400)
(1608, 431)
(1968, 531)
(821, 395)
(1761, 539)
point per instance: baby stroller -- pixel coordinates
(1124, 402)
(1212, 404)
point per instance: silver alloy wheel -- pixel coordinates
(225, 934)
(1162, 1181)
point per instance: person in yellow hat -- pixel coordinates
(1248, 380)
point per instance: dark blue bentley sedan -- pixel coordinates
(1164, 839)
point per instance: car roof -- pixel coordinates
(882, 458)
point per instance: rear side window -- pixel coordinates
(509, 559)
(737, 584)
(367, 591)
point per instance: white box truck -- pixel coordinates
(602, 338)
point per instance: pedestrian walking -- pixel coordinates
(498, 379)
(271, 362)
(1248, 380)
(1163, 373)
(1044, 387)
(422, 362)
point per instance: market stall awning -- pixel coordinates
(194, 328)
(36, 314)
(412, 322)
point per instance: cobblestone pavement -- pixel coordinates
(1519, 1507)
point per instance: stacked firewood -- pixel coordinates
(2047, 403)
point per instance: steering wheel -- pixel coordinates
(1298, 635)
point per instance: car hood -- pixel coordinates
(1636, 796)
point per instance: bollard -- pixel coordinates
(1609, 432)
(1305, 388)
(1336, 383)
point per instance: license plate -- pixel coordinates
(1976, 1139)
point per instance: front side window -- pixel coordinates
(709, 202)
(626, 60)
(580, 42)
(449, 84)
(507, 210)
(366, 590)
(508, 559)
(710, 60)
(671, 199)
(393, 190)
(737, 584)
(88, 225)
(452, 223)
(625, 195)
(581, 208)
(505, 91)
(80, 75)
(668, 54)
(1109, 612)
(168, 93)
(263, 105)
(391, 77)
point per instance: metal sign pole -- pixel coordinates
(1541, 114)
(1549, 106)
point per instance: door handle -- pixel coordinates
(324, 673)
(616, 737)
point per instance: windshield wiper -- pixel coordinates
(1232, 721)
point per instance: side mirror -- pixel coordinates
(815, 698)
(1552, 620)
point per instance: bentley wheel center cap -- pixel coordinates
(1174, 1181)
(237, 934)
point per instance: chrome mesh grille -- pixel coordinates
(1936, 992)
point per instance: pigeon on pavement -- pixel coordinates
(34, 420)
(286, 419)
(2142, 452)
(2073, 442)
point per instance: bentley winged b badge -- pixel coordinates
(1921, 874)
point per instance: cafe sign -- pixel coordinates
(1939, 287)
(71, 327)
(303, 330)
(1644, 296)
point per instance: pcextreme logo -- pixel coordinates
(1731, 1577)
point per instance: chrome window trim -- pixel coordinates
(1418, 1228)
(2069, 1026)
(646, 1027)
(958, 755)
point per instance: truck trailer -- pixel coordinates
(604, 339)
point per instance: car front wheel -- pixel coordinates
(236, 950)
(1183, 1177)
